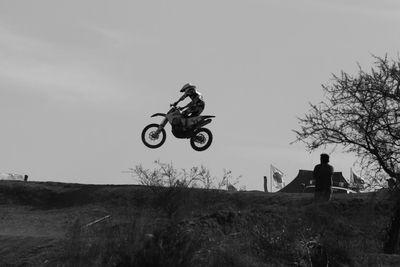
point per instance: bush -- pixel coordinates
(166, 175)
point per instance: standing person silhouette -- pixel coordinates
(265, 184)
(323, 174)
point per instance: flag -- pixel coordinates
(277, 178)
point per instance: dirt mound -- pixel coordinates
(55, 224)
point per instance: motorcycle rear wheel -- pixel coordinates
(201, 140)
(149, 137)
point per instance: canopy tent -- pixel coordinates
(11, 176)
(305, 178)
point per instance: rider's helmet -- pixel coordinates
(188, 88)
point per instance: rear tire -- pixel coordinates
(201, 140)
(149, 139)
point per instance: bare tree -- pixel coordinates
(146, 176)
(361, 113)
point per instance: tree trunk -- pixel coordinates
(393, 230)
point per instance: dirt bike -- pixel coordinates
(154, 135)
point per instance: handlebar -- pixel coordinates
(174, 105)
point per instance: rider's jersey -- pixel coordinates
(195, 96)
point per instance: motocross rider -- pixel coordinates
(195, 107)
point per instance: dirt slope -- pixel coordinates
(52, 224)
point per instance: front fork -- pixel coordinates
(161, 126)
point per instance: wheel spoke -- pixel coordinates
(153, 136)
(201, 139)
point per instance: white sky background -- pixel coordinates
(80, 79)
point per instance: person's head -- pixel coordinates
(324, 158)
(188, 88)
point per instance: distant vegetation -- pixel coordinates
(166, 175)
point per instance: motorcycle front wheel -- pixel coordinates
(201, 140)
(150, 137)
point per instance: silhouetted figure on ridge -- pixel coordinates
(322, 174)
(265, 184)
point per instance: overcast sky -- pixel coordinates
(80, 79)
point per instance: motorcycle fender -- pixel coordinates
(159, 114)
(205, 122)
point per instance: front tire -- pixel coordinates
(150, 138)
(201, 140)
